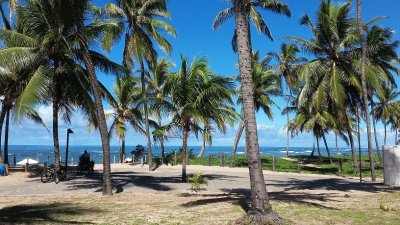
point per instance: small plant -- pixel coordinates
(196, 181)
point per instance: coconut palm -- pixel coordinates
(145, 24)
(387, 107)
(330, 75)
(245, 11)
(287, 67)
(364, 87)
(158, 99)
(195, 92)
(266, 85)
(79, 10)
(125, 110)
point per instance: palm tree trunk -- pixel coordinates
(336, 143)
(287, 117)
(319, 151)
(203, 147)
(375, 133)
(236, 142)
(313, 148)
(364, 89)
(260, 210)
(6, 137)
(384, 125)
(146, 117)
(107, 186)
(351, 139)
(2, 116)
(327, 149)
(359, 144)
(161, 141)
(56, 108)
(121, 156)
(184, 149)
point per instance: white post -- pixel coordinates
(114, 159)
(72, 161)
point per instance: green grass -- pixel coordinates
(307, 164)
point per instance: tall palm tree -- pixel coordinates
(245, 11)
(195, 92)
(125, 110)
(266, 85)
(145, 23)
(364, 88)
(287, 67)
(79, 10)
(158, 99)
(330, 75)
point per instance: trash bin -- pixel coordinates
(2, 169)
(391, 165)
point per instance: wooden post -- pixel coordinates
(340, 169)
(15, 159)
(26, 167)
(273, 163)
(175, 159)
(209, 160)
(221, 160)
(298, 168)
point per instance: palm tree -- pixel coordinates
(158, 98)
(364, 88)
(287, 67)
(244, 11)
(145, 24)
(387, 107)
(329, 77)
(125, 110)
(79, 9)
(266, 85)
(195, 92)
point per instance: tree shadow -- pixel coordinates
(330, 184)
(43, 213)
(241, 197)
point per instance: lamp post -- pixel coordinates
(69, 131)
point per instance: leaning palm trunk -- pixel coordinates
(2, 116)
(327, 148)
(203, 146)
(184, 149)
(146, 117)
(260, 210)
(313, 148)
(235, 144)
(364, 89)
(319, 150)
(375, 134)
(161, 142)
(101, 119)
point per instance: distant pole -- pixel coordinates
(209, 160)
(273, 163)
(15, 159)
(37, 157)
(175, 159)
(69, 131)
(72, 161)
(114, 159)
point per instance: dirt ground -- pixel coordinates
(143, 197)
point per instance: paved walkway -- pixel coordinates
(126, 178)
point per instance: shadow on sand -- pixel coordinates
(43, 213)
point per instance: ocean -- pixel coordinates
(44, 153)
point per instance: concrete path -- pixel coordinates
(166, 179)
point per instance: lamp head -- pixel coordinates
(69, 131)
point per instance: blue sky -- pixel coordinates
(195, 38)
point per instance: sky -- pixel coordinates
(196, 38)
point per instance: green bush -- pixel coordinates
(196, 181)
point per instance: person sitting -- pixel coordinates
(85, 158)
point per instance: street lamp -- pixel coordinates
(69, 131)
